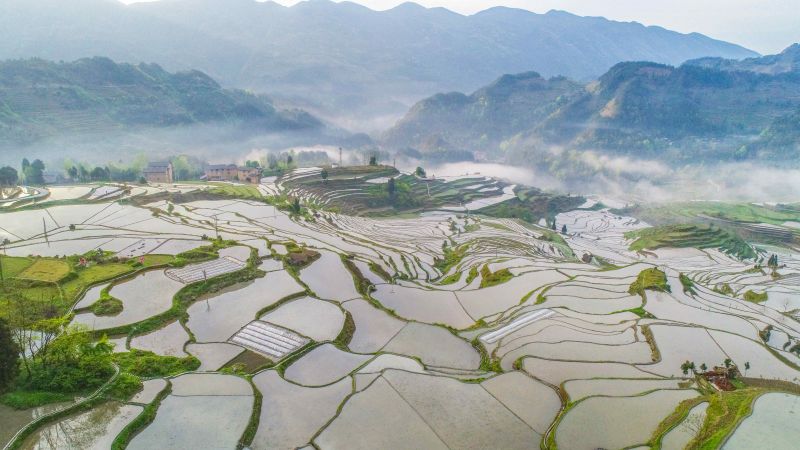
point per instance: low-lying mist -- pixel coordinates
(621, 178)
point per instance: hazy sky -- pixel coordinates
(766, 26)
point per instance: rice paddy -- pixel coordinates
(448, 329)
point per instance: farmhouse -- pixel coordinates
(232, 172)
(159, 172)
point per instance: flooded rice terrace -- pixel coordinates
(267, 328)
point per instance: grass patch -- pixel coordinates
(488, 364)
(124, 387)
(378, 269)
(346, 335)
(688, 285)
(47, 270)
(452, 257)
(245, 191)
(362, 283)
(107, 306)
(641, 312)
(33, 399)
(690, 236)
(649, 279)
(755, 297)
(13, 266)
(489, 278)
(255, 417)
(451, 279)
(473, 273)
(725, 411)
(149, 365)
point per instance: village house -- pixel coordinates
(232, 172)
(159, 172)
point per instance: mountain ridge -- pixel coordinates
(341, 58)
(689, 113)
(41, 99)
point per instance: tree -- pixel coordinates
(421, 172)
(553, 225)
(728, 363)
(373, 160)
(564, 229)
(703, 367)
(296, 206)
(9, 356)
(289, 161)
(324, 175)
(687, 366)
(391, 187)
(746, 367)
(73, 172)
(8, 177)
(99, 174)
(33, 172)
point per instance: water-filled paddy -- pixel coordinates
(616, 422)
(773, 424)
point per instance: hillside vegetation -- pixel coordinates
(39, 99)
(690, 236)
(340, 57)
(682, 115)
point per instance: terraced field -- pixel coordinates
(447, 329)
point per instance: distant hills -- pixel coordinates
(340, 59)
(704, 110)
(96, 96)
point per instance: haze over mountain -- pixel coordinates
(340, 59)
(94, 106)
(708, 110)
(41, 99)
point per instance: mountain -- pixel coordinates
(785, 62)
(691, 113)
(480, 121)
(41, 99)
(341, 59)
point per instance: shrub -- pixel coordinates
(149, 365)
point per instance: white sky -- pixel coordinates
(766, 26)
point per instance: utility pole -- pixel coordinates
(44, 225)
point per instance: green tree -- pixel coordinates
(373, 160)
(563, 229)
(8, 177)
(391, 187)
(296, 206)
(34, 172)
(99, 174)
(421, 172)
(73, 172)
(324, 175)
(9, 356)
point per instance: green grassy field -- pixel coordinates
(47, 270)
(13, 266)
